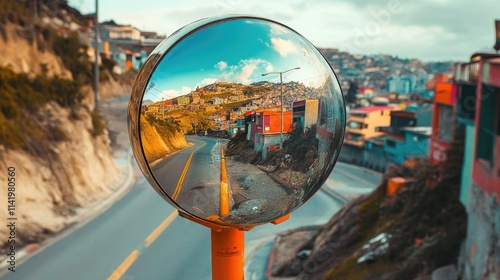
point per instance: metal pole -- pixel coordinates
(281, 129)
(228, 247)
(281, 86)
(96, 54)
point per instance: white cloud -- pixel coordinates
(169, 94)
(221, 65)
(208, 81)
(246, 72)
(185, 90)
(329, 23)
(277, 30)
(283, 47)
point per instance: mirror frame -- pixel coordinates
(136, 98)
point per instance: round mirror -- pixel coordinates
(236, 120)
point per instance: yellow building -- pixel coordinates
(183, 100)
(362, 124)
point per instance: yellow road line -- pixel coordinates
(124, 266)
(152, 237)
(181, 179)
(183, 174)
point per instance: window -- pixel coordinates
(489, 123)
(354, 137)
(466, 103)
(359, 115)
(391, 143)
(445, 122)
(354, 124)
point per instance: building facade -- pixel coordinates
(480, 192)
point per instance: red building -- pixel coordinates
(445, 98)
(480, 187)
(266, 129)
(486, 165)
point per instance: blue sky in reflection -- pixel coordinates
(237, 51)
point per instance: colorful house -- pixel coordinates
(412, 143)
(363, 124)
(305, 112)
(443, 118)
(465, 78)
(408, 135)
(267, 129)
(479, 80)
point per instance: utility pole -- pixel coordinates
(96, 54)
(281, 89)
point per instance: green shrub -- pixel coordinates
(98, 124)
(20, 96)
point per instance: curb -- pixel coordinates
(335, 195)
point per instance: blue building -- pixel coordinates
(399, 85)
(414, 144)
(407, 137)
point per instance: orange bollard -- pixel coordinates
(224, 191)
(228, 247)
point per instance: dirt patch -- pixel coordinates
(258, 197)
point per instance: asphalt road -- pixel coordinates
(192, 176)
(141, 236)
(114, 244)
(351, 180)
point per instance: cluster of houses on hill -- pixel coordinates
(125, 44)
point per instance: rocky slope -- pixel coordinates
(65, 162)
(379, 236)
(66, 176)
(156, 144)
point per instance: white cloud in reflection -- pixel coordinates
(283, 47)
(168, 94)
(221, 65)
(185, 90)
(246, 72)
(208, 81)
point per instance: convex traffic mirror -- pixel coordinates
(236, 120)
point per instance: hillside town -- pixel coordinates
(430, 129)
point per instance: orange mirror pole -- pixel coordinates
(224, 187)
(227, 254)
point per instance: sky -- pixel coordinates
(239, 51)
(429, 30)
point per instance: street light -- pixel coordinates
(281, 86)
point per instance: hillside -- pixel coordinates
(49, 131)
(381, 236)
(158, 139)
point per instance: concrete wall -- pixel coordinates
(415, 148)
(395, 154)
(480, 254)
(466, 181)
(374, 157)
(351, 154)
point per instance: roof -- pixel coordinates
(422, 130)
(372, 109)
(379, 140)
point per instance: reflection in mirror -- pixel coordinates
(241, 121)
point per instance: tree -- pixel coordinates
(350, 97)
